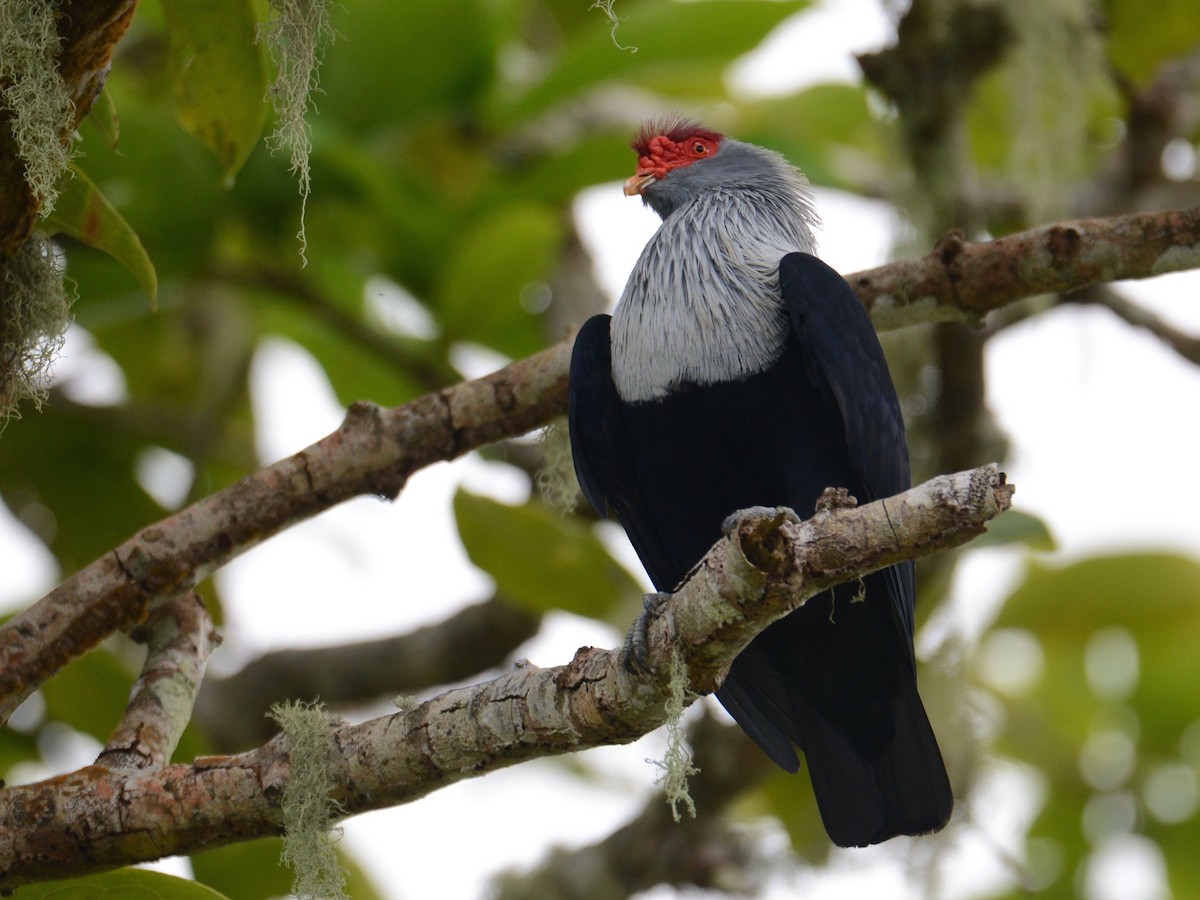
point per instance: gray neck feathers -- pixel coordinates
(702, 304)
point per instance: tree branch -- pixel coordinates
(1131, 313)
(232, 711)
(765, 567)
(179, 638)
(963, 281)
(375, 450)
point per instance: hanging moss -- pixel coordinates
(34, 313)
(606, 7)
(32, 93)
(675, 768)
(309, 815)
(296, 37)
(555, 481)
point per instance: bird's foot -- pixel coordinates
(637, 641)
(773, 516)
(835, 498)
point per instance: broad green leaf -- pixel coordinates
(396, 64)
(90, 694)
(252, 870)
(103, 117)
(676, 44)
(501, 256)
(542, 560)
(249, 870)
(1150, 593)
(123, 884)
(220, 77)
(70, 470)
(1017, 527)
(558, 177)
(83, 213)
(16, 747)
(1140, 41)
(164, 183)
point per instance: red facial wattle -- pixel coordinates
(660, 154)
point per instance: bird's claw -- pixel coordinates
(774, 515)
(637, 641)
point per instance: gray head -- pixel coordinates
(681, 161)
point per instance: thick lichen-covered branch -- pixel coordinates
(231, 711)
(373, 453)
(761, 570)
(376, 450)
(962, 280)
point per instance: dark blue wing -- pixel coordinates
(846, 364)
(605, 452)
(592, 411)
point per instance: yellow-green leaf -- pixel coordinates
(1140, 42)
(542, 560)
(220, 78)
(103, 118)
(84, 213)
(123, 884)
(1017, 527)
(505, 252)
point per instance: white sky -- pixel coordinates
(1100, 417)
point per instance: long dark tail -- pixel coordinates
(865, 799)
(836, 679)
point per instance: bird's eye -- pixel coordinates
(700, 148)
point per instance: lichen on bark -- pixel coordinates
(35, 308)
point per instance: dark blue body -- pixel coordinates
(836, 677)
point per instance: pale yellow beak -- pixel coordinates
(638, 183)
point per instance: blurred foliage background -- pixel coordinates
(450, 141)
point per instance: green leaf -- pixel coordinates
(90, 694)
(496, 259)
(220, 77)
(1017, 527)
(1139, 43)
(123, 884)
(398, 63)
(103, 117)
(1148, 593)
(16, 747)
(543, 560)
(70, 470)
(252, 870)
(84, 213)
(677, 44)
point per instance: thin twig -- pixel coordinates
(179, 638)
(1184, 344)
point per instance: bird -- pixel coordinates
(738, 370)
